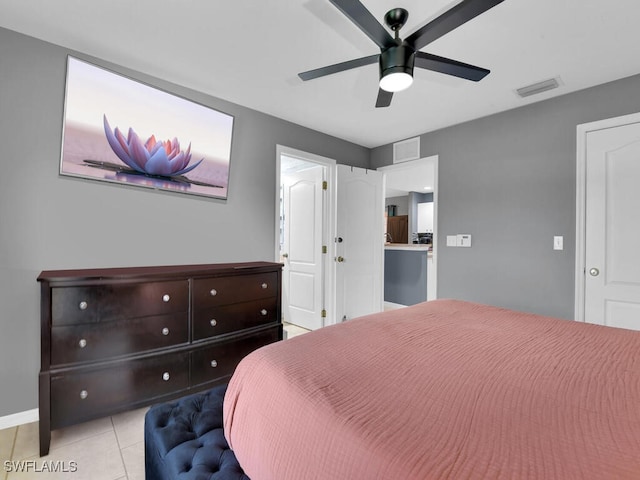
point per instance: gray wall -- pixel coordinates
(402, 204)
(53, 222)
(509, 180)
(414, 199)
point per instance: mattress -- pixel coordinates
(440, 390)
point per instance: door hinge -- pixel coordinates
(323, 314)
(325, 185)
(324, 249)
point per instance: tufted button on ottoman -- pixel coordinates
(185, 439)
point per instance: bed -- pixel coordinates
(443, 389)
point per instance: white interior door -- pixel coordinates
(612, 228)
(359, 245)
(302, 247)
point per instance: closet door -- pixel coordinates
(302, 248)
(612, 258)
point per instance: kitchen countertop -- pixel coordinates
(408, 246)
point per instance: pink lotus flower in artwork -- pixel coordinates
(150, 157)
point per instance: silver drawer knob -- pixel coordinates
(213, 322)
(82, 343)
(84, 394)
(264, 285)
(165, 331)
(214, 364)
(263, 312)
(166, 297)
(213, 292)
(166, 376)
(83, 305)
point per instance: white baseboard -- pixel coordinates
(20, 418)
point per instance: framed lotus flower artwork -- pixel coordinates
(120, 130)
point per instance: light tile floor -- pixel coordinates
(110, 448)
(291, 330)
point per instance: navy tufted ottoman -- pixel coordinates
(184, 439)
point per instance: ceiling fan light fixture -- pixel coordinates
(396, 81)
(396, 68)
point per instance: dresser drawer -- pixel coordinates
(230, 318)
(97, 341)
(78, 396)
(209, 292)
(100, 303)
(218, 361)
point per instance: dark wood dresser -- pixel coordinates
(116, 339)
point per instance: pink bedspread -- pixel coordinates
(444, 389)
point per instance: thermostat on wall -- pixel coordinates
(459, 240)
(463, 240)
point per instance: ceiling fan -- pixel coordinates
(398, 57)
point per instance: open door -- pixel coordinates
(359, 247)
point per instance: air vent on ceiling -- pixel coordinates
(538, 87)
(406, 150)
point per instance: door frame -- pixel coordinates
(328, 221)
(434, 245)
(581, 201)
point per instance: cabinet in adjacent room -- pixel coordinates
(398, 229)
(116, 339)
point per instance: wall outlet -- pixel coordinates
(558, 242)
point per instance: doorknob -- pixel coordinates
(340, 259)
(594, 272)
(285, 255)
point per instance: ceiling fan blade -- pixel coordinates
(384, 98)
(450, 67)
(358, 14)
(453, 18)
(338, 67)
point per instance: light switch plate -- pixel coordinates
(558, 242)
(452, 240)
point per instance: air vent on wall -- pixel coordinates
(538, 87)
(406, 150)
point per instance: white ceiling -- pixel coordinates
(250, 52)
